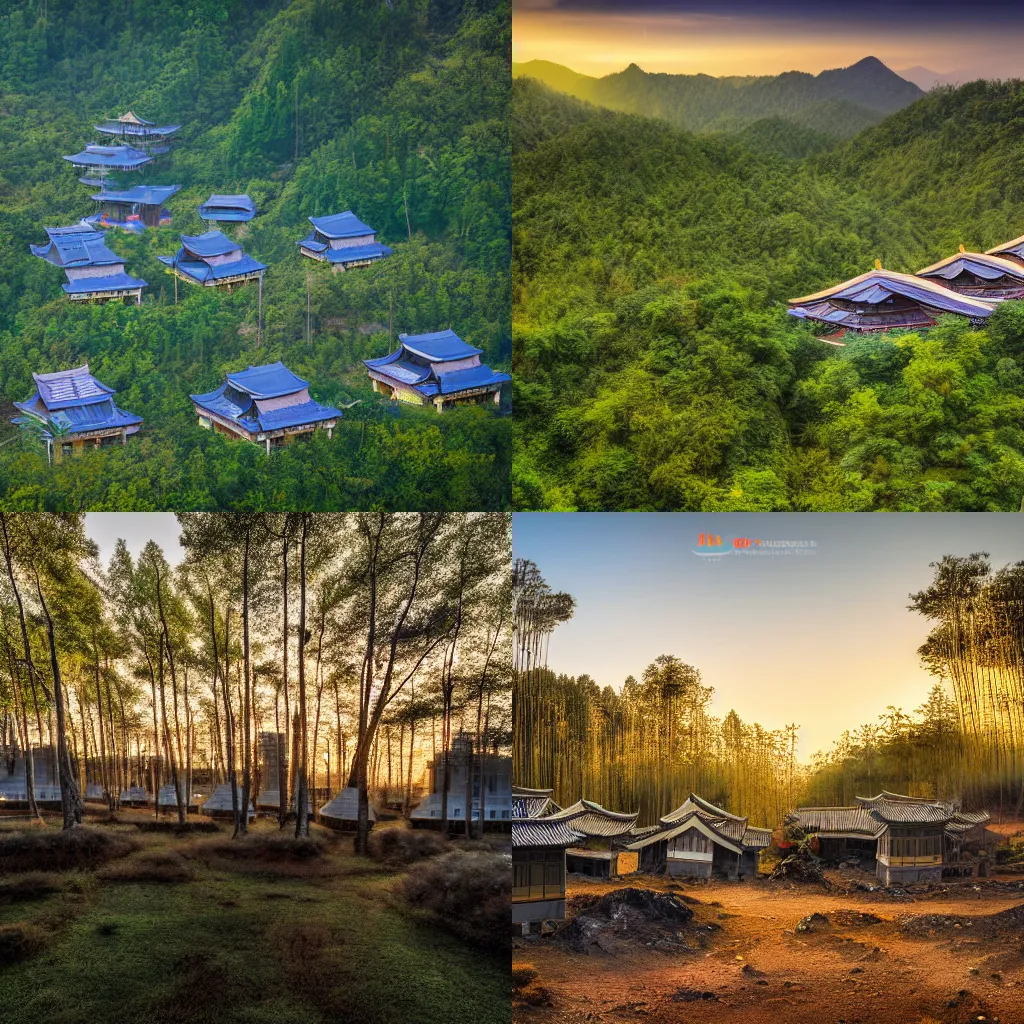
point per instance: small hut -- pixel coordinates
(135, 796)
(99, 161)
(219, 803)
(343, 241)
(133, 209)
(94, 272)
(212, 260)
(538, 870)
(267, 405)
(147, 135)
(342, 812)
(437, 369)
(167, 799)
(14, 779)
(94, 793)
(597, 854)
(74, 409)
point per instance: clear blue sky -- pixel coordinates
(136, 528)
(824, 640)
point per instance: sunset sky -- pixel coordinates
(824, 640)
(984, 38)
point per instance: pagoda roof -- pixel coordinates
(1015, 246)
(110, 283)
(695, 802)
(894, 808)
(144, 195)
(130, 117)
(591, 819)
(438, 346)
(121, 157)
(272, 380)
(76, 246)
(837, 822)
(210, 243)
(349, 254)
(63, 388)
(472, 377)
(539, 832)
(202, 272)
(878, 285)
(984, 265)
(228, 208)
(341, 225)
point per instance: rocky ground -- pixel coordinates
(840, 951)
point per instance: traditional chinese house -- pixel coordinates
(343, 241)
(538, 870)
(906, 839)
(265, 405)
(882, 300)
(213, 260)
(597, 853)
(978, 274)
(532, 803)
(230, 209)
(99, 161)
(701, 840)
(74, 410)
(438, 369)
(1012, 251)
(136, 131)
(94, 273)
(490, 779)
(133, 209)
(342, 811)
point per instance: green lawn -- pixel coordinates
(280, 943)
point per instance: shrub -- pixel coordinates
(268, 848)
(18, 941)
(397, 846)
(32, 885)
(470, 893)
(523, 975)
(178, 828)
(153, 866)
(60, 851)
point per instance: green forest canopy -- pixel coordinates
(655, 365)
(396, 110)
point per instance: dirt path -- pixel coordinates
(759, 967)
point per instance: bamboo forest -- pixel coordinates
(298, 721)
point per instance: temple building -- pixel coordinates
(99, 161)
(438, 369)
(903, 839)
(1012, 251)
(597, 853)
(230, 209)
(882, 300)
(76, 410)
(981, 275)
(94, 273)
(146, 135)
(265, 405)
(701, 840)
(538, 870)
(343, 241)
(213, 260)
(133, 209)
(493, 791)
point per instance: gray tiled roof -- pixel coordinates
(542, 832)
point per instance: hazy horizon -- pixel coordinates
(823, 639)
(740, 37)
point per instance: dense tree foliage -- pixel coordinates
(656, 366)
(396, 110)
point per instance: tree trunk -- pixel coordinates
(302, 800)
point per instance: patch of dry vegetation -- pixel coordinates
(19, 941)
(31, 885)
(77, 848)
(397, 847)
(167, 866)
(470, 893)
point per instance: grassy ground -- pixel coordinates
(179, 933)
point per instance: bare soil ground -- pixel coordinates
(952, 965)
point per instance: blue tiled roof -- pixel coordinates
(77, 386)
(473, 377)
(210, 243)
(439, 346)
(77, 246)
(228, 208)
(115, 282)
(123, 157)
(203, 272)
(341, 225)
(101, 415)
(268, 381)
(358, 252)
(400, 369)
(145, 195)
(293, 415)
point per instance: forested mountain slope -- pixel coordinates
(397, 110)
(656, 367)
(839, 102)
